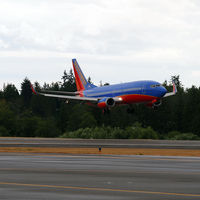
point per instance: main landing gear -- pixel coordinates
(106, 111)
(155, 108)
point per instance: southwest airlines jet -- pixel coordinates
(106, 97)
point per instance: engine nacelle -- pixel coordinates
(155, 103)
(110, 102)
(106, 102)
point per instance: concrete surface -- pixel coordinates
(47, 176)
(117, 143)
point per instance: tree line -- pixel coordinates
(26, 115)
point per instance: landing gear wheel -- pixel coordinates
(155, 108)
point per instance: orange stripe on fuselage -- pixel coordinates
(137, 98)
(131, 99)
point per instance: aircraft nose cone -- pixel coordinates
(163, 91)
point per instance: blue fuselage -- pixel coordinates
(146, 88)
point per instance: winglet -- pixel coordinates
(174, 88)
(33, 90)
(171, 93)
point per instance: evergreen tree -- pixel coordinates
(68, 81)
(7, 119)
(26, 92)
(10, 92)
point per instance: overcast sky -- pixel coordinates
(113, 40)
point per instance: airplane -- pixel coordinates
(147, 92)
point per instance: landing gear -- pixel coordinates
(106, 111)
(155, 108)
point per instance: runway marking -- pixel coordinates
(122, 157)
(99, 189)
(137, 157)
(98, 171)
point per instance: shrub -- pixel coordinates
(138, 132)
(172, 134)
(176, 135)
(186, 136)
(135, 132)
(118, 133)
(149, 133)
(46, 128)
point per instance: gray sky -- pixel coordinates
(114, 41)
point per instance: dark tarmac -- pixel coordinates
(83, 177)
(109, 143)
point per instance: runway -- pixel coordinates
(97, 177)
(108, 143)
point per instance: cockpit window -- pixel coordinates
(157, 85)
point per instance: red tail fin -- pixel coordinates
(81, 82)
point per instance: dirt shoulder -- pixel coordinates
(105, 151)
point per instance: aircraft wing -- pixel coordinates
(60, 92)
(70, 97)
(65, 96)
(92, 99)
(171, 93)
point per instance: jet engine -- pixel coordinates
(155, 103)
(106, 102)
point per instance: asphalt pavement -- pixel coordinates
(109, 143)
(98, 177)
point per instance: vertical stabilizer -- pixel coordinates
(81, 82)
